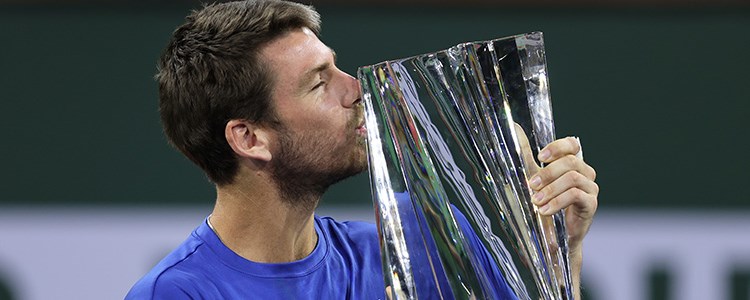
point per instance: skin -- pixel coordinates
(319, 108)
(567, 182)
(264, 219)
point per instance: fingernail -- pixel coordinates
(544, 155)
(538, 197)
(535, 182)
(544, 209)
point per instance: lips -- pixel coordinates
(361, 129)
(360, 118)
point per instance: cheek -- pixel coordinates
(327, 118)
(322, 117)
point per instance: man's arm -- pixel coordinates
(567, 182)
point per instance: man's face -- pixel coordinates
(321, 137)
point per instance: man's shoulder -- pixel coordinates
(169, 283)
(356, 234)
(354, 254)
(173, 275)
(354, 229)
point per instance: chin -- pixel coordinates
(361, 159)
(358, 163)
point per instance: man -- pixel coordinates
(251, 95)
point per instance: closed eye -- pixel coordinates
(320, 84)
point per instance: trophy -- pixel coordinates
(452, 139)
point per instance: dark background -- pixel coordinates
(658, 91)
(658, 94)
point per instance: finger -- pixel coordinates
(559, 148)
(526, 153)
(558, 168)
(584, 202)
(569, 180)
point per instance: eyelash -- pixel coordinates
(319, 85)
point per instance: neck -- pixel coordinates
(257, 223)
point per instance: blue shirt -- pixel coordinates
(345, 264)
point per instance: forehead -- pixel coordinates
(294, 54)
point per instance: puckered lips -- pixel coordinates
(361, 129)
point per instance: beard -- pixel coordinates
(308, 162)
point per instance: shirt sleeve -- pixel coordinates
(167, 286)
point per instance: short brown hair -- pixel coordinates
(211, 73)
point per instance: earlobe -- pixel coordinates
(247, 140)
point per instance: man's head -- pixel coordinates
(234, 83)
(321, 132)
(211, 72)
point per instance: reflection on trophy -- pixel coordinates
(452, 138)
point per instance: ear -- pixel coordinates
(248, 139)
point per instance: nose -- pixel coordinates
(353, 95)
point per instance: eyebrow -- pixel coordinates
(307, 77)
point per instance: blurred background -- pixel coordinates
(92, 196)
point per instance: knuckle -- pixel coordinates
(543, 174)
(554, 202)
(593, 172)
(573, 143)
(575, 178)
(571, 160)
(596, 188)
(577, 193)
(548, 191)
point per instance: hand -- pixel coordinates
(566, 182)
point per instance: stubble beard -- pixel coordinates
(307, 164)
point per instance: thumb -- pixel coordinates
(527, 155)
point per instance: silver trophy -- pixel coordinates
(452, 138)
